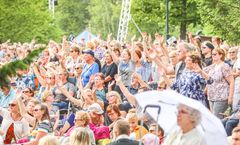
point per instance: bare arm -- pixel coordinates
(230, 80)
(130, 97)
(75, 101)
(23, 111)
(41, 80)
(39, 135)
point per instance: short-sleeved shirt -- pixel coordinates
(218, 74)
(44, 126)
(110, 70)
(58, 96)
(125, 71)
(89, 70)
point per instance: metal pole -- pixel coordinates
(49, 5)
(53, 8)
(167, 25)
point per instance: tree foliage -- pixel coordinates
(222, 17)
(104, 16)
(10, 69)
(23, 20)
(150, 15)
(72, 15)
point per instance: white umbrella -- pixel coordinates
(168, 100)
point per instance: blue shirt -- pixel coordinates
(89, 70)
(191, 84)
(4, 100)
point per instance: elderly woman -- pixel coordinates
(232, 56)
(81, 120)
(223, 82)
(114, 114)
(193, 81)
(187, 133)
(14, 126)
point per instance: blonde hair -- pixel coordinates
(80, 136)
(48, 140)
(84, 116)
(114, 93)
(131, 116)
(45, 95)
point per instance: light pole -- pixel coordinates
(167, 24)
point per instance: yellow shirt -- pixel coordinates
(139, 129)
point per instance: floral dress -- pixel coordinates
(191, 84)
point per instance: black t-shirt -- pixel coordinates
(110, 70)
(207, 61)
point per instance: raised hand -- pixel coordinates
(133, 38)
(117, 78)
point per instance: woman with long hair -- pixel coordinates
(80, 136)
(40, 121)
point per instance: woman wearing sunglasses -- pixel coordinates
(14, 126)
(40, 121)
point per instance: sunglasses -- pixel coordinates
(78, 68)
(12, 105)
(232, 52)
(36, 110)
(51, 78)
(26, 92)
(204, 47)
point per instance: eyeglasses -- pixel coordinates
(110, 96)
(214, 54)
(61, 74)
(161, 87)
(12, 105)
(182, 112)
(231, 52)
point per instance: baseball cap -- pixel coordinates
(96, 108)
(88, 51)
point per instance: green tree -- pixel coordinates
(221, 18)
(72, 15)
(104, 16)
(23, 20)
(150, 15)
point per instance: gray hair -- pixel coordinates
(194, 114)
(187, 46)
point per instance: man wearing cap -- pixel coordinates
(207, 48)
(90, 66)
(100, 131)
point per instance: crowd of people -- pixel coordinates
(83, 93)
